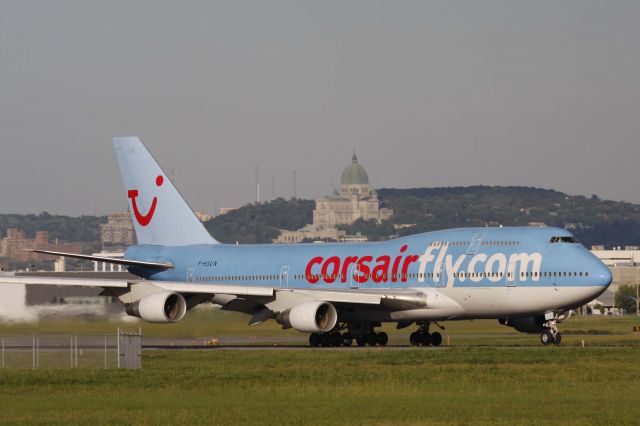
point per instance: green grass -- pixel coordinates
(205, 324)
(458, 385)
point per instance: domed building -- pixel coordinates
(354, 179)
(355, 200)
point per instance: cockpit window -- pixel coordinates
(570, 240)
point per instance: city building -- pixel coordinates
(225, 210)
(16, 242)
(355, 199)
(118, 231)
(203, 217)
(108, 267)
(624, 264)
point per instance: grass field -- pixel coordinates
(205, 324)
(458, 385)
(515, 381)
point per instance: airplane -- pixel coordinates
(528, 278)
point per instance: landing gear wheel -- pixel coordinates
(557, 339)
(372, 339)
(436, 338)
(337, 339)
(382, 339)
(347, 339)
(425, 339)
(327, 340)
(414, 338)
(546, 337)
(315, 340)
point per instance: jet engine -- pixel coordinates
(534, 324)
(314, 316)
(160, 307)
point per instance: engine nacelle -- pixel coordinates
(533, 324)
(314, 316)
(159, 307)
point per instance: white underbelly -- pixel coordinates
(510, 301)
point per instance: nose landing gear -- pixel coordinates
(551, 334)
(547, 337)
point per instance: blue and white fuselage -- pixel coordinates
(488, 272)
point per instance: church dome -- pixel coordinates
(354, 174)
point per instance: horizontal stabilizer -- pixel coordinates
(117, 261)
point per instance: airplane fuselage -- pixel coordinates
(465, 273)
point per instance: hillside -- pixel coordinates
(593, 221)
(261, 223)
(84, 229)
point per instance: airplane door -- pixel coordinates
(510, 274)
(438, 277)
(353, 270)
(474, 245)
(284, 276)
(190, 275)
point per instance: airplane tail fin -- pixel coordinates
(159, 213)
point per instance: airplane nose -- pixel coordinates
(602, 275)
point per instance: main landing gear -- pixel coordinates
(363, 335)
(422, 337)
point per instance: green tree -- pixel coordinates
(626, 298)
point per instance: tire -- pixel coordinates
(414, 339)
(347, 339)
(546, 337)
(315, 340)
(372, 339)
(557, 339)
(327, 340)
(337, 339)
(436, 338)
(382, 338)
(425, 339)
(361, 341)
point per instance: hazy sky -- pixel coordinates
(537, 93)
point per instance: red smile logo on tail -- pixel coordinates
(133, 194)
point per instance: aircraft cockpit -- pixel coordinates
(570, 240)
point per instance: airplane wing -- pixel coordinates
(72, 282)
(257, 300)
(362, 296)
(117, 261)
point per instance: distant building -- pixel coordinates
(355, 200)
(16, 242)
(540, 224)
(624, 265)
(118, 231)
(108, 267)
(310, 233)
(225, 210)
(203, 217)
(630, 256)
